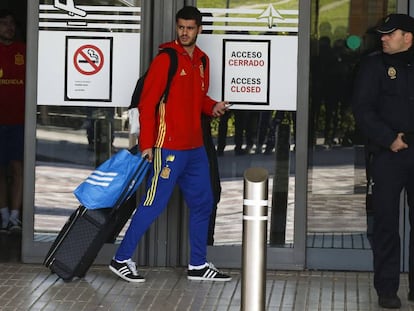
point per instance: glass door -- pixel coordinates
(253, 51)
(73, 128)
(76, 105)
(338, 216)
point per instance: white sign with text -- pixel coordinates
(88, 69)
(278, 77)
(246, 71)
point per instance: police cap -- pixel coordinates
(397, 21)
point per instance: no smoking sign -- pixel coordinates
(88, 59)
(88, 69)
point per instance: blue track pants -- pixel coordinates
(190, 170)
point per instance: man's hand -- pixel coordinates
(220, 108)
(147, 153)
(398, 144)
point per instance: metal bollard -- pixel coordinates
(255, 205)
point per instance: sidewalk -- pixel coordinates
(32, 287)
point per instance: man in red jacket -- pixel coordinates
(171, 135)
(12, 99)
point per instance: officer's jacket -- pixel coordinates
(383, 97)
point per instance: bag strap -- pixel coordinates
(127, 192)
(141, 170)
(171, 70)
(204, 61)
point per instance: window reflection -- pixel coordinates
(73, 137)
(341, 34)
(71, 142)
(254, 137)
(66, 151)
(270, 144)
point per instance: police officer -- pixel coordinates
(383, 105)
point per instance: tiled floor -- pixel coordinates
(32, 287)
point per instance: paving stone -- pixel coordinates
(168, 289)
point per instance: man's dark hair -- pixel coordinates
(5, 12)
(189, 12)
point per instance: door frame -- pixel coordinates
(361, 259)
(292, 258)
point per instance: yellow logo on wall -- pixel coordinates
(19, 59)
(1, 72)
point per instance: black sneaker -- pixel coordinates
(208, 273)
(4, 230)
(389, 301)
(126, 270)
(15, 226)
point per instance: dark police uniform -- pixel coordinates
(383, 105)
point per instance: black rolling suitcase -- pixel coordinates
(87, 230)
(78, 243)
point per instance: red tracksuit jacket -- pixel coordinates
(176, 124)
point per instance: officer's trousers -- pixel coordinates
(391, 172)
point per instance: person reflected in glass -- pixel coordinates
(12, 99)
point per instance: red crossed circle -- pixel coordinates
(90, 55)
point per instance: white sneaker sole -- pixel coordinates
(200, 278)
(124, 277)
